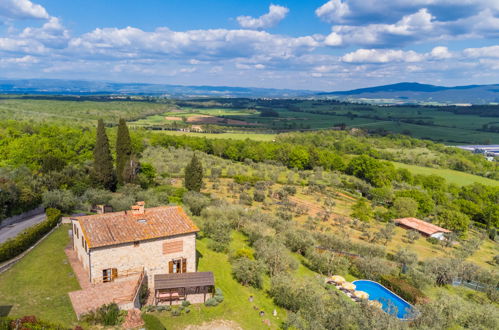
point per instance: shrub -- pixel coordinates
(150, 308)
(326, 262)
(245, 199)
(29, 322)
(259, 195)
(274, 255)
(291, 190)
(243, 253)
(63, 200)
(195, 201)
(152, 322)
(220, 233)
(176, 312)
(211, 302)
(242, 179)
(248, 272)
(30, 236)
(403, 289)
(433, 240)
(372, 268)
(106, 315)
(285, 292)
(219, 296)
(186, 303)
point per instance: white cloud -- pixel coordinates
(15, 45)
(272, 18)
(28, 59)
(22, 9)
(487, 52)
(382, 56)
(381, 23)
(440, 53)
(52, 34)
(194, 44)
(333, 11)
(413, 26)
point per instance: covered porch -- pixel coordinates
(177, 287)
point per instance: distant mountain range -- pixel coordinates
(388, 94)
(421, 93)
(82, 87)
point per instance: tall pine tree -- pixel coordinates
(103, 171)
(194, 174)
(123, 153)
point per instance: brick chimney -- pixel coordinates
(138, 208)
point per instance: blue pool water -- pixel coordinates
(392, 303)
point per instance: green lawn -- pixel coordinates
(234, 136)
(456, 177)
(236, 306)
(40, 282)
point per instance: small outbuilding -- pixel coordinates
(425, 228)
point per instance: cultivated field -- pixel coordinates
(455, 177)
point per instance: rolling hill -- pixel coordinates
(410, 92)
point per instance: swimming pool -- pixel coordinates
(392, 303)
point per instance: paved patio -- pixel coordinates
(92, 296)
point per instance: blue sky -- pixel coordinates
(320, 45)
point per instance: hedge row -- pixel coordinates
(15, 246)
(404, 289)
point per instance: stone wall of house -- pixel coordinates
(78, 244)
(150, 254)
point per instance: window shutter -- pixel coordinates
(114, 272)
(184, 265)
(170, 267)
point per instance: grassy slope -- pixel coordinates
(40, 282)
(83, 113)
(456, 177)
(236, 306)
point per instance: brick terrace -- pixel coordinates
(93, 296)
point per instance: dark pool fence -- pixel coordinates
(470, 284)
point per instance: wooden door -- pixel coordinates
(170, 267)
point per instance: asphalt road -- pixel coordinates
(14, 229)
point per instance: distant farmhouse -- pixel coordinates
(425, 228)
(154, 246)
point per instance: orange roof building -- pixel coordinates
(157, 240)
(134, 226)
(425, 228)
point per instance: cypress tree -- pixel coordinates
(123, 153)
(194, 174)
(103, 171)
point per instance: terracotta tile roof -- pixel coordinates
(421, 226)
(124, 227)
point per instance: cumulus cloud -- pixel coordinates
(361, 12)
(440, 53)
(382, 56)
(22, 9)
(381, 23)
(52, 34)
(272, 18)
(487, 52)
(333, 11)
(410, 27)
(198, 44)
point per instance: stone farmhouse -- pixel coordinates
(154, 247)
